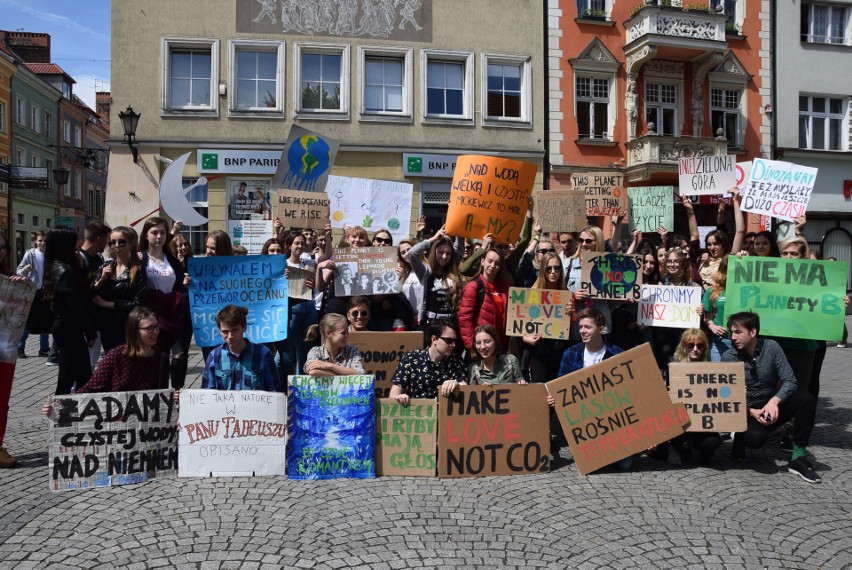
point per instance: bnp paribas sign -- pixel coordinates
(224, 161)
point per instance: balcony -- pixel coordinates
(675, 33)
(48, 195)
(654, 153)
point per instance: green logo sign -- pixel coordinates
(210, 161)
(415, 164)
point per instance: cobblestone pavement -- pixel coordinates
(752, 515)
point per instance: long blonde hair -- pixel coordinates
(325, 327)
(541, 282)
(681, 354)
(599, 240)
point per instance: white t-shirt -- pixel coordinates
(161, 277)
(592, 358)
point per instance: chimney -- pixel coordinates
(30, 46)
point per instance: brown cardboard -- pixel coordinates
(297, 286)
(381, 353)
(303, 209)
(607, 275)
(561, 210)
(714, 394)
(378, 264)
(538, 311)
(614, 409)
(494, 430)
(406, 437)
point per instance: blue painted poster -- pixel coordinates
(332, 422)
(306, 161)
(256, 282)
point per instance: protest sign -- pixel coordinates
(702, 175)
(406, 437)
(297, 283)
(365, 271)
(605, 192)
(561, 210)
(381, 353)
(538, 311)
(256, 282)
(234, 433)
(795, 298)
(652, 207)
(306, 161)
(111, 438)
(371, 204)
(303, 209)
(703, 232)
(743, 172)
(249, 213)
(669, 306)
(493, 430)
(15, 301)
(611, 275)
(778, 189)
(333, 428)
(714, 394)
(489, 195)
(616, 408)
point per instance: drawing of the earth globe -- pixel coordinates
(308, 161)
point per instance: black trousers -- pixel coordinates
(799, 407)
(75, 368)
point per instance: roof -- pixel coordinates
(48, 69)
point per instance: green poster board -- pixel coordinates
(795, 298)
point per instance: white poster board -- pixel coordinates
(778, 189)
(669, 306)
(371, 204)
(705, 175)
(239, 433)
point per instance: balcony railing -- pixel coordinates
(666, 150)
(675, 22)
(42, 194)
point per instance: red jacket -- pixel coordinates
(471, 314)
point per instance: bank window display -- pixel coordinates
(257, 76)
(821, 122)
(725, 114)
(190, 82)
(661, 107)
(322, 79)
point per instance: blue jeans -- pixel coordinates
(43, 341)
(302, 316)
(718, 346)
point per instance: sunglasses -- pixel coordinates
(590, 240)
(547, 250)
(553, 269)
(386, 241)
(691, 345)
(448, 340)
(358, 314)
(119, 242)
(150, 330)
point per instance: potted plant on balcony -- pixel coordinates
(269, 100)
(698, 7)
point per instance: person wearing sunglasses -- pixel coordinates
(382, 238)
(422, 373)
(121, 287)
(358, 313)
(529, 267)
(772, 394)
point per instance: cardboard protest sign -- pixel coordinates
(234, 433)
(616, 408)
(371, 204)
(669, 306)
(605, 192)
(333, 427)
(256, 282)
(15, 301)
(249, 213)
(494, 430)
(702, 175)
(561, 210)
(538, 311)
(306, 161)
(303, 209)
(406, 437)
(795, 298)
(297, 283)
(714, 394)
(381, 353)
(778, 189)
(652, 207)
(365, 271)
(489, 195)
(111, 438)
(611, 275)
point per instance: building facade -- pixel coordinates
(391, 81)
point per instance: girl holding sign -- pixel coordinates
(541, 356)
(591, 240)
(439, 276)
(485, 299)
(678, 271)
(714, 312)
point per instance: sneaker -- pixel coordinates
(804, 469)
(51, 362)
(6, 460)
(43, 352)
(841, 345)
(21, 353)
(787, 444)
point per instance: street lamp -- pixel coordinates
(129, 121)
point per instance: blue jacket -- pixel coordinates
(572, 358)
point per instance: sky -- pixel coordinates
(79, 37)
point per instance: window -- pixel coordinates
(387, 79)
(322, 77)
(35, 123)
(725, 114)
(824, 24)
(48, 124)
(661, 106)
(821, 122)
(19, 110)
(66, 131)
(78, 184)
(592, 8)
(19, 155)
(35, 221)
(21, 219)
(257, 76)
(190, 82)
(48, 165)
(448, 84)
(34, 160)
(90, 194)
(78, 137)
(593, 107)
(66, 190)
(507, 89)
(2, 116)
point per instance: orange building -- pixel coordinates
(634, 86)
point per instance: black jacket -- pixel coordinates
(70, 300)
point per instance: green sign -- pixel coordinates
(652, 207)
(415, 164)
(795, 298)
(210, 161)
